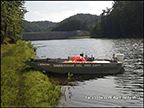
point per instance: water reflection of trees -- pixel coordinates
(62, 79)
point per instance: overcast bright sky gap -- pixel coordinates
(57, 11)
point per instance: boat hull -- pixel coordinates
(77, 68)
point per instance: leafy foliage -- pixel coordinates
(123, 20)
(12, 13)
(96, 30)
(21, 86)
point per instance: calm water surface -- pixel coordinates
(121, 90)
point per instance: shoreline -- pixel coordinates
(21, 86)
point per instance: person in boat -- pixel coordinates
(81, 54)
(86, 57)
(92, 58)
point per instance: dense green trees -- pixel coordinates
(37, 26)
(82, 22)
(12, 13)
(76, 22)
(124, 19)
(32, 27)
(96, 30)
(71, 24)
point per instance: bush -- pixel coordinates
(38, 90)
(20, 87)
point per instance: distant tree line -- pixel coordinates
(82, 22)
(123, 20)
(12, 13)
(32, 27)
(37, 26)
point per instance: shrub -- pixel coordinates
(20, 87)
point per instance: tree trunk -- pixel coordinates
(3, 35)
(2, 39)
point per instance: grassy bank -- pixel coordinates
(20, 85)
(79, 37)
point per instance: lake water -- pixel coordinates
(121, 90)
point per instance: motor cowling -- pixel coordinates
(120, 57)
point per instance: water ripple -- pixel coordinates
(130, 83)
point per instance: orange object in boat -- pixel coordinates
(78, 58)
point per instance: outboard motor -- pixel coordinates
(120, 57)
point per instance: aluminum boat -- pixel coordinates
(79, 65)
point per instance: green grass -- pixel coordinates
(20, 85)
(79, 37)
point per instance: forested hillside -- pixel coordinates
(123, 20)
(76, 22)
(37, 26)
